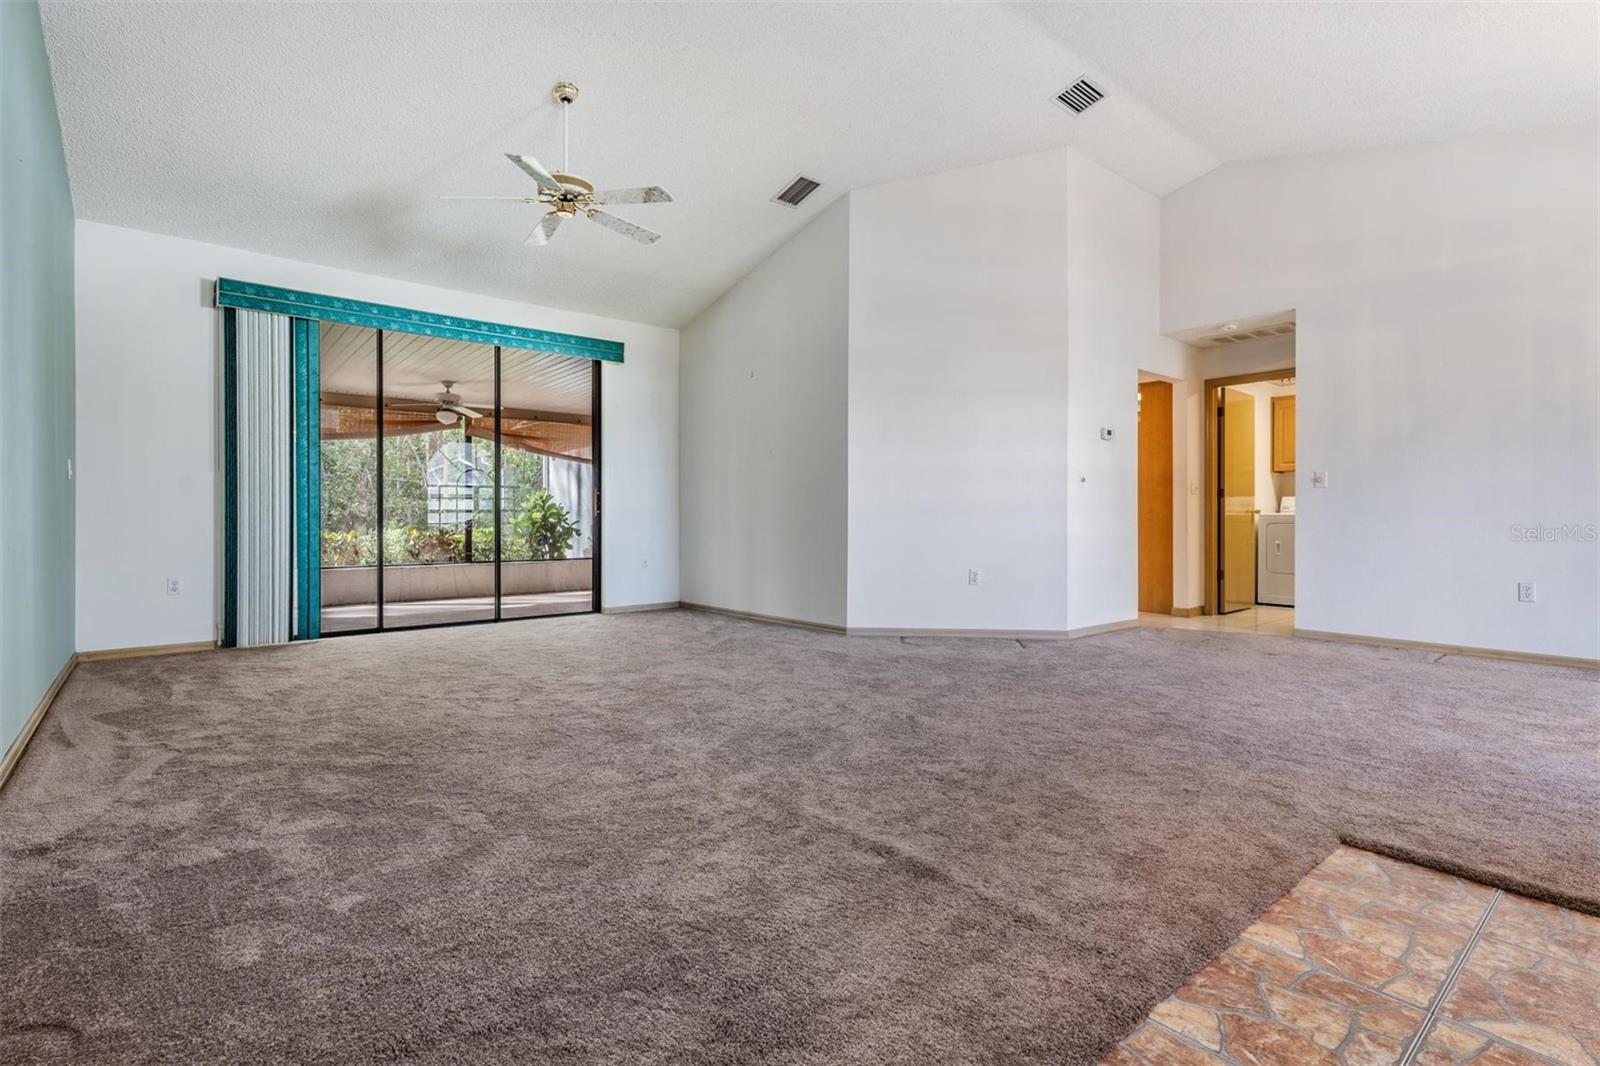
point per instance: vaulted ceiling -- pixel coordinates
(328, 132)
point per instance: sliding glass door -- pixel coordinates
(350, 483)
(547, 466)
(459, 481)
(438, 481)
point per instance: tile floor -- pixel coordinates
(1278, 621)
(1371, 961)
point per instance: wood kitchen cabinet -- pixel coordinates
(1282, 434)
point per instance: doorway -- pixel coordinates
(1250, 498)
(1155, 496)
(459, 481)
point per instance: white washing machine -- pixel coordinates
(1275, 559)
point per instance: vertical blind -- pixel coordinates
(263, 517)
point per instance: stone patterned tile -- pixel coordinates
(1158, 1047)
(1200, 1024)
(1550, 931)
(1344, 969)
(1526, 985)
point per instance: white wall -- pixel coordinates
(762, 446)
(958, 379)
(980, 362)
(1179, 364)
(147, 484)
(1113, 274)
(1448, 375)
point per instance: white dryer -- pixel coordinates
(1275, 559)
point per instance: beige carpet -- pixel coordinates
(681, 838)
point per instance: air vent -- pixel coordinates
(1080, 96)
(796, 191)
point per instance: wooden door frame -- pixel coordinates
(1211, 395)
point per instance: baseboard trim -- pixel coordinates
(1188, 612)
(151, 649)
(890, 631)
(1104, 627)
(995, 634)
(20, 745)
(1450, 649)
(773, 619)
(635, 608)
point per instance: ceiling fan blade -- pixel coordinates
(624, 227)
(535, 170)
(652, 194)
(466, 412)
(545, 229)
(431, 405)
(516, 199)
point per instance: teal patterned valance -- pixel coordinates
(231, 293)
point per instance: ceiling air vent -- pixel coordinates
(1080, 96)
(796, 191)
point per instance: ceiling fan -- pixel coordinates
(446, 408)
(569, 196)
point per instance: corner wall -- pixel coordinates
(148, 494)
(982, 357)
(959, 400)
(762, 444)
(1113, 278)
(1448, 363)
(36, 339)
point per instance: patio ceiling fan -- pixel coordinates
(569, 196)
(446, 408)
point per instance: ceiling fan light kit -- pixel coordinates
(446, 407)
(570, 196)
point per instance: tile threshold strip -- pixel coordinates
(1431, 1019)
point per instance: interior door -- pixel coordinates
(1236, 491)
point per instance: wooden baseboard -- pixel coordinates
(18, 746)
(635, 608)
(773, 619)
(997, 634)
(1451, 649)
(993, 634)
(1188, 612)
(153, 649)
(1104, 627)
(892, 631)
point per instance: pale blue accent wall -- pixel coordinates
(36, 376)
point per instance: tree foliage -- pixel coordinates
(547, 527)
(350, 506)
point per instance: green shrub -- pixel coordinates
(545, 526)
(543, 530)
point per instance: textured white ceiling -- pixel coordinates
(326, 132)
(1262, 80)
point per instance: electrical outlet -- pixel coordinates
(1319, 479)
(973, 577)
(1527, 592)
(644, 564)
(174, 587)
